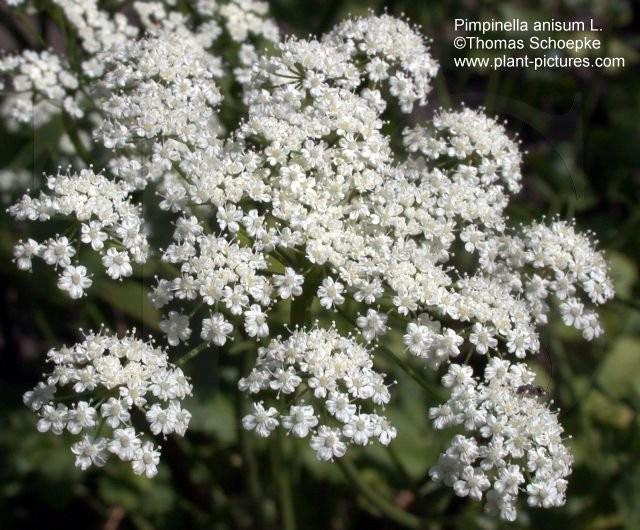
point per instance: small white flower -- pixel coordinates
(255, 322)
(179, 417)
(92, 234)
(115, 411)
(262, 420)
(117, 264)
(300, 420)
(373, 325)
(161, 294)
(53, 418)
(509, 480)
(448, 344)
(385, 432)
(176, 327)
(74, 280)
(327, 443)
(472, 482)
(253, 383)
(235, 299)
(160, 420)
(58, 252)
(146, 461)
(417, 339)
(285, 381)
(323, 382)
(341, 407)
(330, 293)
(289, 284)
(90, 452)
(39, 396)
(216, 329)
(360, 428)
(23, 252)
(125, 443)
(483, 338)
(572, 313)
(83, 416)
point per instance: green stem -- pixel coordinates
(283, 482)
(252, 475)
(299, 316)
(191, 354)
(404, 365)
(442, 91)
(467, 357)
(26, 24)
(301, 305)
(384, 506)
(72, 131)
(99, 428)
(196, 309)
(410, 371)
(393, 455)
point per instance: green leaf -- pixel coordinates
(131, 298)
(619, 374)
(608, 412)
(216, 416)
(623, 273)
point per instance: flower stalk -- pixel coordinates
(384, 506)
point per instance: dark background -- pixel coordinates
(581, 129)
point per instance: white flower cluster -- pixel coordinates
(160, 100)
(245, 22)
(390, 230)
(242, 18)
(306, 199)
(512, 442)
(576, 274)
(96, 28)
(96, 390)
(388, 52)
(41, 85)
(220, 273)
(475, 144)
(326, 389)
(107, 220)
